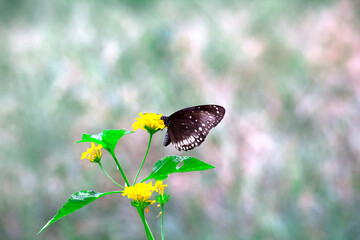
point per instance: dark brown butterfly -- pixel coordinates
(188, 127)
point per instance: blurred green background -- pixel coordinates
(286, 154)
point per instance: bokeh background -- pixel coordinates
(286, 154)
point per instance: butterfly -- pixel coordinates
(188, 127)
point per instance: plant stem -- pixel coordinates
(109, 176)
(162, 221)
(142, 164)
(120, 169)
(146, 226)
(112, 192)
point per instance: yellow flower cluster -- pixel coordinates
(150, 122)
(160, 187)
(141, 192)
(93, 153)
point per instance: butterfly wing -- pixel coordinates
(188, 127)
(167, 139)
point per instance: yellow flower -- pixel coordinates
(150, 122)
(93, 153)
(162, 198)
(140, 192)
(160, 187)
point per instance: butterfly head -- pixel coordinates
(166, 120)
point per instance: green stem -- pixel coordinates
(120, 169)
(142, 164)
(162, 221)
(146, 226)
(112, 192)
(109, 176)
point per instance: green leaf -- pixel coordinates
(75, 202)
(168, 165)
(108, 138)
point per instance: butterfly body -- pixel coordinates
(188, 127)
